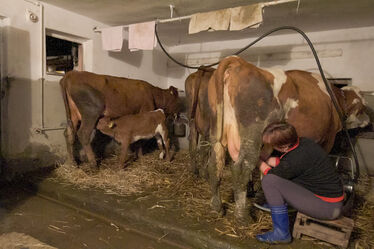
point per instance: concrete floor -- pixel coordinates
(62, 227)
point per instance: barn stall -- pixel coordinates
(41, 41)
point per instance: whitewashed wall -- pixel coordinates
(21, 58)
(344, 53)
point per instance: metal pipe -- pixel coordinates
(42, 47)
(42, 68)
(42, 130)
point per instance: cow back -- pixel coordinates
(309, 107)
(122, 96)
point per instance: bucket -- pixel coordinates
(179, 127)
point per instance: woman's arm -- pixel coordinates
(264, 167)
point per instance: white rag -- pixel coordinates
(213, 20)
(142, 36)
(246, 16)
(112, 38)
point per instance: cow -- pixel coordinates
(196, 87)
(88, 96)
(353, 105)
(243, 100)
(131, 128)
(349, 99)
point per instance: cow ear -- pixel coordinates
(173, 91)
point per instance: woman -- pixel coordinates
(302, 177)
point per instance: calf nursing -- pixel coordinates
(131, 128)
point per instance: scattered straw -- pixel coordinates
(363, 214)
(173, 183)
(176, 186)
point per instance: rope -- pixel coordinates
(341, 115)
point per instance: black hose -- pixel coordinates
(328, 87)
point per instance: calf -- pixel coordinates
(131, 128)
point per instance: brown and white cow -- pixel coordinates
(353, 105)
(88, 96)
(349, 99)
(243, 100)
(131, 128)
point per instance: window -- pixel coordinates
(340, 82)
(62, 55)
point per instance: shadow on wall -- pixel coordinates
(264, 56)
(132, 58)
(23, 163)
(159, 65)
(21, 110)
(16, 97)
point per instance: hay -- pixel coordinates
(173, 183)
(363, 215)
(176, 186)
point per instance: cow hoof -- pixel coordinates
(216, 205)
(203, 173)
(193, 169)
(242, 218)
(71, 162)
(162, 154)
(89, 168)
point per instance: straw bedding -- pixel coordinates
(173, 183)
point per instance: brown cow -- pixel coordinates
(131, 128)
(89, 96)
(243, 100)
(196, 86)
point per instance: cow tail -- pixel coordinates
(219, 85)
(66, 102)
(195, 94)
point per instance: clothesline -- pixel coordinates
(275, 2)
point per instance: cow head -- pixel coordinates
(105, 125)
(169, 101)
(355, 107)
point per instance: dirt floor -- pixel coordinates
(31, 222)
(175, 185)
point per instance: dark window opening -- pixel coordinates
(340, 82)
(61, 55)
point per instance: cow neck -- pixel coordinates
(292, 148)
(159, 98)
(345, 106)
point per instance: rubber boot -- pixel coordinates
(280, 232)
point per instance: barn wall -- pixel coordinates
(343, 54)
(21, 103)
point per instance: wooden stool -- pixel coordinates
(336, 232)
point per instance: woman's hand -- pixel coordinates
(264, 167)
(272, 161)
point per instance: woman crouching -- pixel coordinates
(303, 177)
